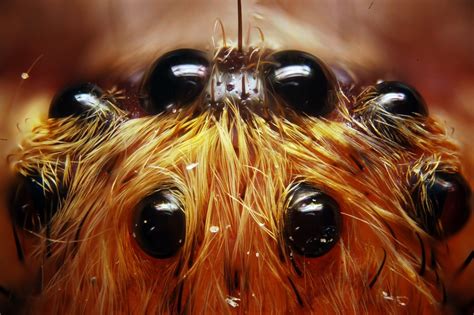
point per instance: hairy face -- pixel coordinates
(236, 179)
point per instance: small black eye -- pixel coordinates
(312, 221)
(176, 79)
(160, 224)
(302, 81)
(442, 203)
(32, 205)
(80, 100)
(400, 99)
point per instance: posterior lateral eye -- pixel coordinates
(400, 99)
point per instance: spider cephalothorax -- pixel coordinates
(244, 180)
(205, 200)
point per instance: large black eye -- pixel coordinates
(32, 204)
(400, 99)
(80, 100)
(160, 225)
(176, 79)
(442, 203)
(393, 111)
(312, 221)
(302, 81)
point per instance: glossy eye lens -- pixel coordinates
(312, 221)
(79, 100)
(443, 203)
(388, 112)
(176, 79)
(400, 99)
(302, 81)
(159, 225)
(31, 205)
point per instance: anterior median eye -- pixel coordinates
(312, 221)
(176, 79)
(302, 81)
(160, 224)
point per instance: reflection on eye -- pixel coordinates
(289, 72)
(87, 99)
(313, 206)
(189, 70)
(391, 97)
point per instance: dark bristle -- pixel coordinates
(19, 248)
(377, 274)
(78, 232)
(434, 266)
(297, 294)
(180, 295)
(390, 229)
(466, 263)
(179, 267)
(231, 277)
(423, 256)
(191, 255)
(357, 162)
(239, 12)
(433, 262)
(445, 296)
(437, 277)
(281, 256)
(295, 266)
(48, 240)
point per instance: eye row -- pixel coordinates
(311, 217)
(296, 79)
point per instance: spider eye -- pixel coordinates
(177, 78)
(442, 203)
(302, 81)
(31, 204)
(393, 112)
(400, 99)
(312, 221)
(80, 100)
(159, 225)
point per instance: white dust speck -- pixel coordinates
(191, 166)
(214, 229)
(25, 75)
(232, 301)
(257, 254)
